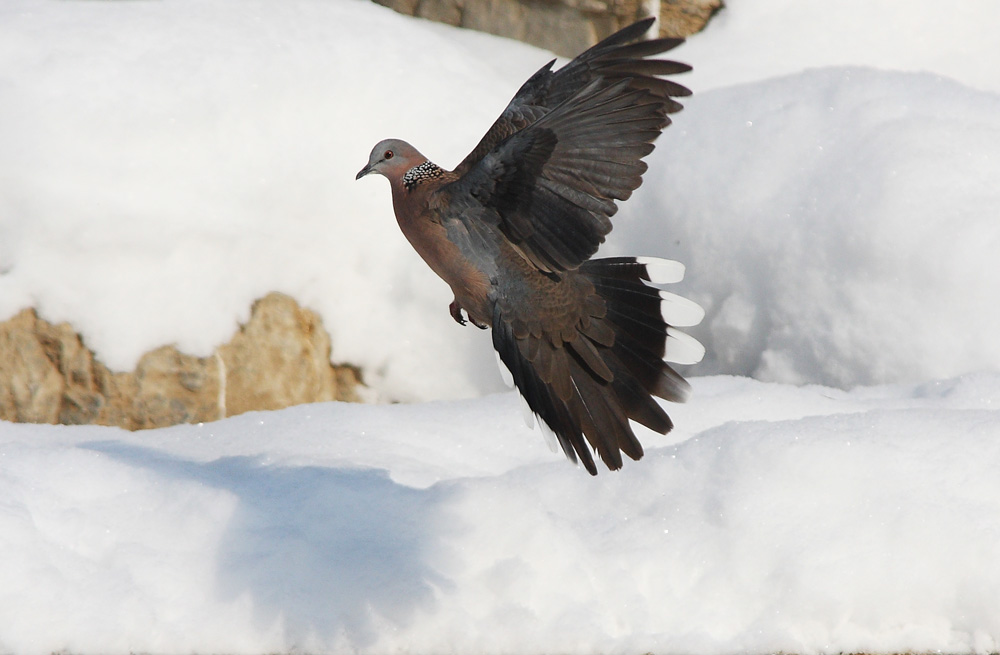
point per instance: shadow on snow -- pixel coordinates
(321, 548)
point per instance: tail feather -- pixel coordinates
(637, 400)
(604, 423)
(530, 379)
(588, 381)
(655, 376)
(636, 312)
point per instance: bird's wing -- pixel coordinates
(550, 189)
(548, 177)
(615, 58)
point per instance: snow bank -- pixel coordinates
(777, 519)
(839, 226)
(750, 41)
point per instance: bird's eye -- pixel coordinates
(388, 154)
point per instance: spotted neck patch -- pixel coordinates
(420, 174)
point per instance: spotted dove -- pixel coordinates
(513, 228)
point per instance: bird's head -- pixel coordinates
(391, 158)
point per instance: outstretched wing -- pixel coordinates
(568, 146)
(613, 59)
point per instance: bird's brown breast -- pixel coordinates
(470, 285)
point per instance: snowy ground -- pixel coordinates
(776, 519)
(832, 188)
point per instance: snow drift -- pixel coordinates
(775, 519)
(839, 225)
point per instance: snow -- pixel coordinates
(767, 38)
(776, 518)
(870, 257)
(830, 485)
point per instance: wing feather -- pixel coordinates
(553, 185)
(620, 56)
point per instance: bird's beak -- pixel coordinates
(364, 171)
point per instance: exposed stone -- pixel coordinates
(172, 387)
(441, 11)
(686, 17)
(281, 357)
(565, 27)
(31, 385)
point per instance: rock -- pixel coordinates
(566, 27)
(281, 357)
(170, 387)
(31, 386)
(686, 17)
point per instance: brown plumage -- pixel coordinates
(513, 228)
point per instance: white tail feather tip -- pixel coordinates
(551, 440)
(677, 310)
(662, 271)
(682, 348)
(526, 413)
(505, 373)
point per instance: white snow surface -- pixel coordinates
(839, 226)
(774, 519)
(830, 487)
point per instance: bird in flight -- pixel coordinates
(513, 228)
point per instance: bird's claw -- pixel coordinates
(456, 312)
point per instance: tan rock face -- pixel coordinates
(31, 385)
(566, 27)
(686, 17)
(281, 357)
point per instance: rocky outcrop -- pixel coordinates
(566, 27)
(686, 17)
(281, 357)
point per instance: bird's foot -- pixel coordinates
(456, 312)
